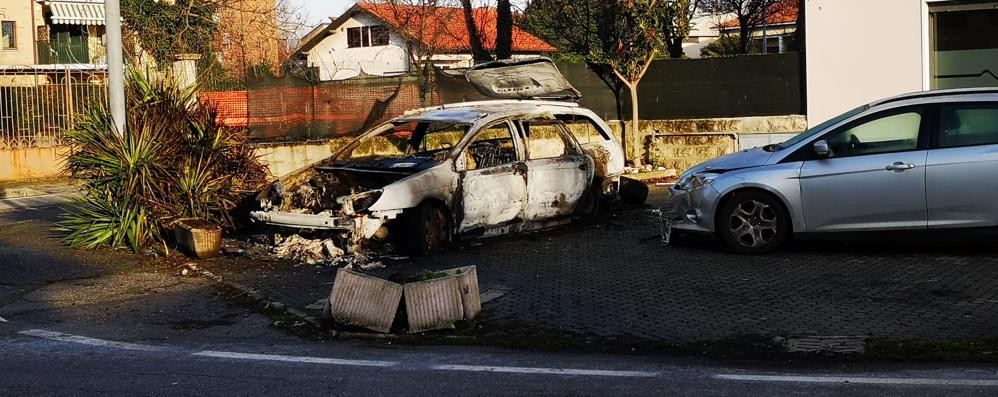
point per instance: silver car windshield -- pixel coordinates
(821, 127)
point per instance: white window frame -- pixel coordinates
(13, 32)
(927, 44)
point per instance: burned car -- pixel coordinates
(461, 171)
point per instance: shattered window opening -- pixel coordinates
(584, 129)
(546, 140)
(417, 139)
(492, 147)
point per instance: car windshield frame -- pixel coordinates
(810, 132)
(409, 149)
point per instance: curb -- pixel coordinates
(314, 321)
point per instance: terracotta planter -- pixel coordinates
(198, 238)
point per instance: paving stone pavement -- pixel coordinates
(617, 281)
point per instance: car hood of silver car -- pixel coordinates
(735, 161)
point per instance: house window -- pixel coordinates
(379, 36)
(7, 39)
(367, 36)
(964, 45)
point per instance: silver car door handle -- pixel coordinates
(899, 166)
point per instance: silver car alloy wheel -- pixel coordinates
(753, 224)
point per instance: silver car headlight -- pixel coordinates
(704, 179)
(696, 181)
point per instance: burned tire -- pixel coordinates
(633, 192)
(590, 205)
(428, 230)
(753, 223)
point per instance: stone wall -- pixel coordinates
(673, 144)
(681, 144)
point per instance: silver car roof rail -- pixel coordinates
(936, 94)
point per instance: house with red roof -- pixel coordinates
(776, 34)
(381, 39)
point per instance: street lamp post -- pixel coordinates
(115, 64)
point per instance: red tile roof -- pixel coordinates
(782, 13)
(445, 29)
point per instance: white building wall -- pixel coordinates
(336, 61)
(859, 51)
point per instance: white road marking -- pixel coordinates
(545, 371)
(860, 380)
(3, 320)
(83, 340)
(294, 359)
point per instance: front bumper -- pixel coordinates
(692, 210)
(360, 226)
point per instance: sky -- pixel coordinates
(319, 11)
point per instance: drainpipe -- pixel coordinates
(34, 33)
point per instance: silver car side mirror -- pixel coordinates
(821, 149)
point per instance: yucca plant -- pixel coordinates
(173, 161)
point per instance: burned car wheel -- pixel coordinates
(428, 230)
(753, 223)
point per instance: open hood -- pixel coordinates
(533, 78)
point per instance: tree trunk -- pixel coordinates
(504, 30)
(675, 48)
(744, 32)
(635, 138)
(475, 39)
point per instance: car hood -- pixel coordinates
(533, 78)
(743, 159)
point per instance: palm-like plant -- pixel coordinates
(173, 161)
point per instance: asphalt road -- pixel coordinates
(97, 323)
(37, 362)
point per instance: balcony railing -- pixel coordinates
(73, 50)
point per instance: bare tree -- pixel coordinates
(751, 14)
(258, 33)
(420, 23)
(478, 51)
(504, 30)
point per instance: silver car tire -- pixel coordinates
(753, 223)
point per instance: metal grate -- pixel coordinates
(38, 103)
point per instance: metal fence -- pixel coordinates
(740, 86)
(38, 103)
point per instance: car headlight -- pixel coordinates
(364, 201)
(701, 180)
(696, 181)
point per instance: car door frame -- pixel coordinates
(805, 154)
(506, 173)
(575, 160)
(935, 215)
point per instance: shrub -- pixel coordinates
(173, 161)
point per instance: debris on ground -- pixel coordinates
(317, 305)
(312, 252)
(663, 180)
(189, 269)
(372, 265)
(319, 251)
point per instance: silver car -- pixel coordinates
(920, 161)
